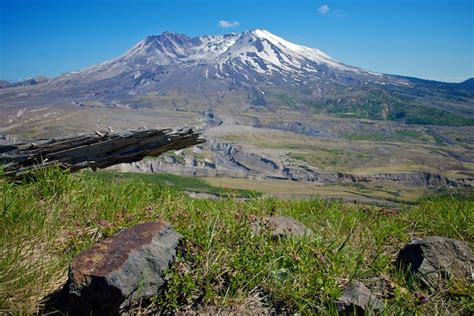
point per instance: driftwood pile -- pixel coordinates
(99, 150)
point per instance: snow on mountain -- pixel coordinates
(244, 55)
(277, 52)
(267, 54)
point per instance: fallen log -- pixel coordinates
(99, 150)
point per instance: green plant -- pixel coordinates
(222, 265)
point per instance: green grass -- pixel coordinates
(378, 105)
(398, 135)
(286, 100)
(373, 136)
(438, 117)
(330, 159)
(47, 221)
(180, 183)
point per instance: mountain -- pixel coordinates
(468, 83)
(242, 60)
(27, 82)
(268, 108)
(257, 68)
(232, 56)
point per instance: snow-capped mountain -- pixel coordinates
(252, 68)
(245, 58)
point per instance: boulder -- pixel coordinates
(435, 260)
(120, 270)
(358, 300)
(280, 226)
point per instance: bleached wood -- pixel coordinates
(98, 150)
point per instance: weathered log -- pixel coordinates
(99, 150)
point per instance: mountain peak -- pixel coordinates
(245, 57)
(274, 39)
(258, 32)
(167, 36)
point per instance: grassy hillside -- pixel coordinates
(46, 222)
(376, 104)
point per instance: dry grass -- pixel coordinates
(293, 189)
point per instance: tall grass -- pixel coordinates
(224, 267)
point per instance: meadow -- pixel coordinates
(222, 266)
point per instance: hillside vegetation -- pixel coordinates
(48, 220)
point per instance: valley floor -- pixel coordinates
(382, 194)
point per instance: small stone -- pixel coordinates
(280, 226)
(381, 286)
(120, 270)
(434, 260)
(358, 300)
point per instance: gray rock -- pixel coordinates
(357, 299)
(437, 259)
(280, 226)
(120, 270)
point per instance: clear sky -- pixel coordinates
(430, 39)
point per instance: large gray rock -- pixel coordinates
(280, 226)
(437, 259)
(358, 300)
(121, 269)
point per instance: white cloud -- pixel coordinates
(324, 9)
(227, 24)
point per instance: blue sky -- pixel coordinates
(430, 39)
